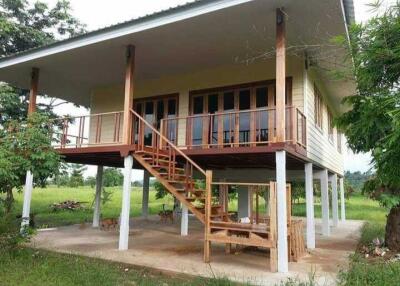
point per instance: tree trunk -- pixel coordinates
(392, 235)
(9, 201)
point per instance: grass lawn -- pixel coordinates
(29, 267)
(357, 207)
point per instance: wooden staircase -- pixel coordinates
(173, 169)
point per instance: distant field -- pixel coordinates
(357, 207)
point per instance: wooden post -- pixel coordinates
(128, 101)
(280, 75)
(207, 212)
(33, 90)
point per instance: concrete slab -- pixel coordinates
(159, 245)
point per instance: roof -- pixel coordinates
(347, 5)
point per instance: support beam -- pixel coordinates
(128, 97)
(97, 198)
(335, 203)
(310, 205)
(280, 75)
(145, 197)
(33, 90)
(184, 220)
(27, 200)
(126, 203)
(282, 247)
(325, 203)
(342, 200)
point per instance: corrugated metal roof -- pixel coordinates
(178, 8)
(348, 7)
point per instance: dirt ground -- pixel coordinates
(159, 245)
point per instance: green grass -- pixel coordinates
(37, 267)
(45, 217)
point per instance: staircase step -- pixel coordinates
(150, 153)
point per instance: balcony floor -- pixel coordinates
(213, 158)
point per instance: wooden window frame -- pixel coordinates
(330, 126)
(318, 108)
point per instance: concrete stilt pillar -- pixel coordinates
(335, 203)
(342, 200)
(310, 206)
(184, 220)
(145, 197)
(283, 258)
(126, 202)
(97, 198)
(325, 203)
(243, 202)
(27, 200)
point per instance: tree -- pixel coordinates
(373, 122)
(24, 26)
(112, 177)
(90, 181)
(25, 146)
(76, 178)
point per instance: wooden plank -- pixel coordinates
(128, 97)
(207, 243)
(33, 90)
(280, 75)
(241, 240)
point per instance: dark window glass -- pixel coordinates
(160, 110)
(172, 107)
(261, 97)
(229, 100)
(139, 108)
(212, 103)
(149, 109)
(198, 105)
(244, 99)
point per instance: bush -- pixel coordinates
(10, 236)
(365, 273)
(370, 231)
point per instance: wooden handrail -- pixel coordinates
(87, 115)
(163, 138)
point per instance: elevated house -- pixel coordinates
(224, 95)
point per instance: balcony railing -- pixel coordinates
(249, 128)
(89, 130)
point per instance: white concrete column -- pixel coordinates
(97, 198)
(342, 200)
(126, 202)
(145, 197)
(325, 203)
(243, 202)
(283, 258)
(184, 220)
(335, 204)
(27, 200)
(310, 205)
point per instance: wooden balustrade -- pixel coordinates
(88, 130)
(256, 127)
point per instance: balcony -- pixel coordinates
(248, 128)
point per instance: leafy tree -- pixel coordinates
(76, 178)
(25, 26)
(373, 123)
(25, 146)
(112, 177)
(90, 181)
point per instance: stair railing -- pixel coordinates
(162, 145)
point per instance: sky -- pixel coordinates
(100, 13)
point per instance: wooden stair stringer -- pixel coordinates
(170, 188)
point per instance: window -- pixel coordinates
(339, 142)
(318, 104)
(330, 126)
